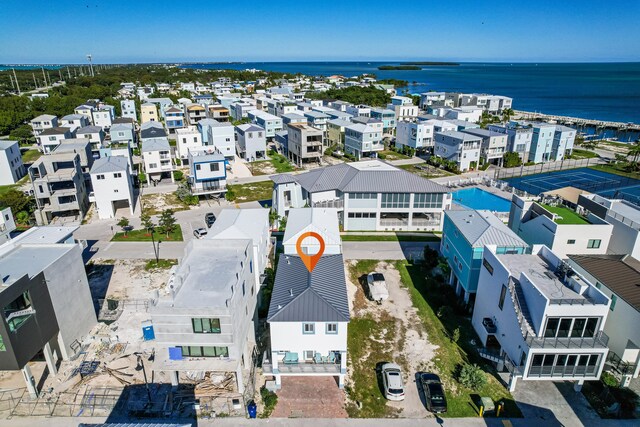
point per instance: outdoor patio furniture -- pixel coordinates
(290, 358)
(317, 358)
(324, 359)
(332, 358)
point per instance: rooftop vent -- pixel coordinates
(291, 293)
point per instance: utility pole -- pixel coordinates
(44, 76)
(34, 80)
(60, 73)
(68, 73)
(90, 64)
(11, 80)
(16, 78)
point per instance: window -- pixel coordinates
(308, 354)
(395, 200)
(503, 293)
(117, 175)
(308, 328)
(205, 326)
(243, 289)
(593, 244)
(332, 328)
(214, 167)
(361, 215)
(427, 200)
(571, 327)
(18, 311)
(353, 196)
(613, 302)
(571, 242)
(488, 266)
(198, 167)
(197, 351)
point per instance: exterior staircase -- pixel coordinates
(521, 309)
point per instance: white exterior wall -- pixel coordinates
(128, 109)
(624, 239)
(622, 324)
(102, 118)
(11, 167)
(414, 135)
(289, 336)
(111, 189)
(278, 199)
(187, 139)
(153, 163)
(7, 225)
(223, 139)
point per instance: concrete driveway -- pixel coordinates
(386, 250)
(554, 404)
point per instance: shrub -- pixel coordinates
(178, 175)
(382, 156)
(471, 376)
(230, 195)
(609, 379)
(269, 400)
(430, 258)
(455, 336)
(444, 311)
(184, 194)
(178, 163)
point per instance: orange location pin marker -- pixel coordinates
(310, 260)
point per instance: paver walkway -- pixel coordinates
(310, 397)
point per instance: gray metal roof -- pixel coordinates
(484, 228)
(319, 296)
(364, 177)
(6, 144)
(89, 129)
(153, 132)
(59, 130)
(249, 128)
(110, 164)
(155, 144)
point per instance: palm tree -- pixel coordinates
(506, 114)
(634, 151)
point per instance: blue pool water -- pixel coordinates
(475, 198)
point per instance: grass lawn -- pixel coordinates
(392, 155)
(428, 296)
(426, 171)
(250, 192)
(582, 154)
(145, 236)
(162, 264)
(391, 237)
(30, 156)
(617, 169)
(568, 216)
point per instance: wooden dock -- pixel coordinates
(575, 121)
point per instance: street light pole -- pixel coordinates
(144, 373)
(89, 57)
(153, 242)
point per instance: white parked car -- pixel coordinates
(199, 233)
(392, 381)
(378, 291)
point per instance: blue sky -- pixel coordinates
(145, 31)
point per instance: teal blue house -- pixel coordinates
(465, 235)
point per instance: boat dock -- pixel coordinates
(575, 121)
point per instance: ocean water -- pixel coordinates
(602, 91)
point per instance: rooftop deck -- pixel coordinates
(565, 215)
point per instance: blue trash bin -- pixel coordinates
(252, 408)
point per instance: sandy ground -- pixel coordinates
(415, 351)
(239, 169)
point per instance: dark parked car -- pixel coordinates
(433, 393)
(209, 219)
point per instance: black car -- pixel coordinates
(433, 393)
(209, 219)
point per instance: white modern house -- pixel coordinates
(322, 221)
(252, 224)
(204, 320)
(187, 139)
(50, 138)
(518, 138)
(559, 228)
(74, 121)
(362, 140)
(122, 133)
(418, 136)
(221, 136)
(459, 147)
(128, 109)
(94, 134)
(617, 276)
(112, 186)
(622, 215)
(42, 122)
(494, 145)
(11, 167)
(539, 319)
(541, 142)
(403, 107)
(7, 225)
(269, 122)
(308, 319)
(251, 142)
(207, 172)
(369, 195)
(102, 117)
(157, 159)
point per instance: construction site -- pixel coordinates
(112, 374)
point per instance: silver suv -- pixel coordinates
(392, 381)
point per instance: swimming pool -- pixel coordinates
(475, 198)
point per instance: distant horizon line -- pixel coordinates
(391, 62)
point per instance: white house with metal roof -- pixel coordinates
(42, 122)
(7, 224)
(362, 140)
(308, 319)
(323, 221)
(157, 159)
(369, 195)
(112, 186)
(188, 138)
(251, 142)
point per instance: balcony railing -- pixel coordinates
(299, 367)
(600, 340)
(424, 222)
(394, 222)
(562, 371)
(335, 203)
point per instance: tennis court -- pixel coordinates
(592, 180)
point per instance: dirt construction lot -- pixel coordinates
(388, 332)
